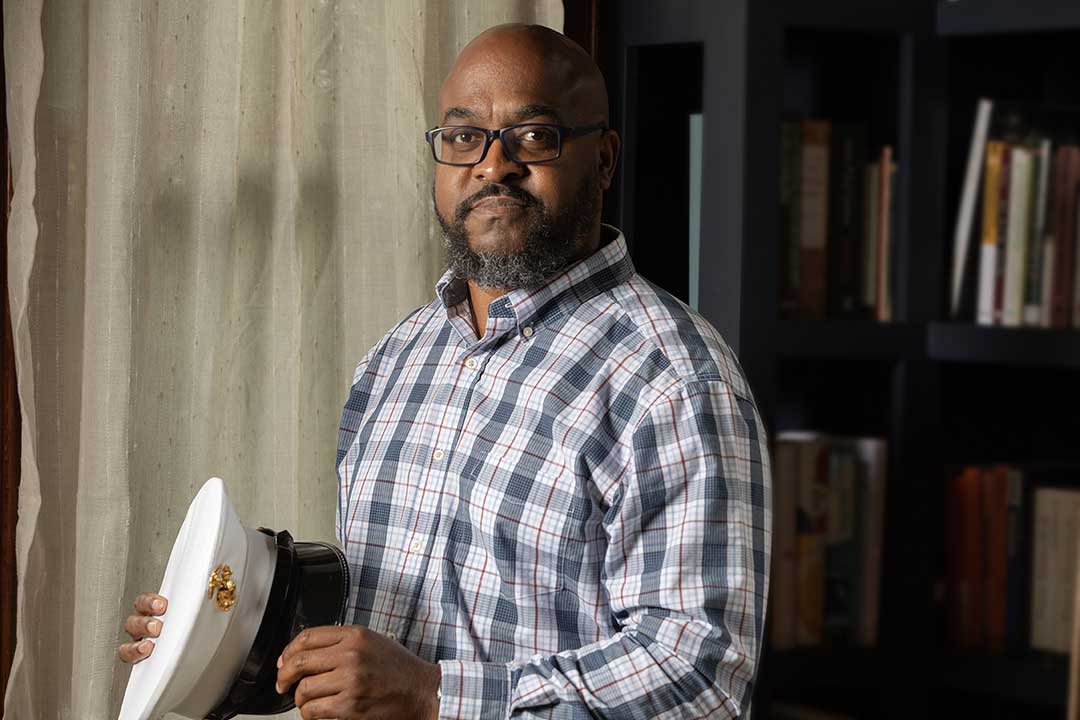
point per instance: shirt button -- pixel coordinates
(471, 363)
(438, 454)
(527, 331)
(417, 546)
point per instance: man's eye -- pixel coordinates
(539, 136)
(464, 137)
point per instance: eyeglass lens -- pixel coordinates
(525, 143)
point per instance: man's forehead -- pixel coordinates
(482, 87)
(506, 108)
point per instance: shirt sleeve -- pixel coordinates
(689, 540)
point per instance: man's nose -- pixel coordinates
(496, 166)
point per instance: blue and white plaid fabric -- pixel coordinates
(572, 515)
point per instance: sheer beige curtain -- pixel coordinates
(219, 206)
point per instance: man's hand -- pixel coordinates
(142, 625)
(351, 672)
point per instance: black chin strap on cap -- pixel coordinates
(260, 668)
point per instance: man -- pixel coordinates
(554, 483)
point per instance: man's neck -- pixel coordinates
(480, 297)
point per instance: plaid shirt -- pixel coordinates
(572, 513)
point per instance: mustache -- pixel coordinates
(496, 190)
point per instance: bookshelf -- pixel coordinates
(942, 392)
(971, 17)
(965, 343)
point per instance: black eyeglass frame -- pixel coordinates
(490, 135)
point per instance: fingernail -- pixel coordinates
(279, 662)
(278, 688)
(145, 647)
(158, 606)
(153, 627)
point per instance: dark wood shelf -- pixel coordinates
(874, 16)
(967, 343)
(975, 17)
(847, 338)
(800, 669)
(1036, 678)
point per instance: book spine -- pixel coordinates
(790, 168)
(995, 490)
(883, 303)
(962, 236)
(1063, 255)
(870, 241)
(873, 455)
(848, 157)
(810, 549)
(1016, 561)
(1043, 565)
(814, 217)
(1016, 236)
(1068, 525)
(783, 587)
(988, 247)
(840, 549)
(1002, 236)
(1033, 292)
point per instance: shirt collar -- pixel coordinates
(559, 296)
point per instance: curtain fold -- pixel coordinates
(219, 206)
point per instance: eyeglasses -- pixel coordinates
(527, 143)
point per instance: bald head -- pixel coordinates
(552, 62)
(510, 221)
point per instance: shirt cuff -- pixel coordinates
(474, 690)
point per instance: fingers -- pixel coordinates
(141, 626)
(150, 604)
(316, 686)
(324, 708)
(311, 638)
(303, 664)
(133, 652)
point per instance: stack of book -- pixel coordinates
(828, 523)
(1011, 558)
(1014, 254)
(836, 197)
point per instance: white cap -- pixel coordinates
(217, 584)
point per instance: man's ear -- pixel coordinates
(608, 155)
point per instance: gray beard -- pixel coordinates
(551, 243)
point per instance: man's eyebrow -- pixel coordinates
(525, 112)
(532, 110)
(458, 113)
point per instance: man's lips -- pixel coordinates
(497, 205)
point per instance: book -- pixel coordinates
(1017, 231)
(1036, 253)
(883, 281)
(1053, 562)
(790, 174)
(811, 528)
(988, 247)
(813, 217)
(847, 161)
(995, 508)
(783, 583)
(828, 530)
(1016, 563)
(1065, 235)
(968, 199)
(870, 235)
(841, 552)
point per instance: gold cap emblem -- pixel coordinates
(222, 588)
